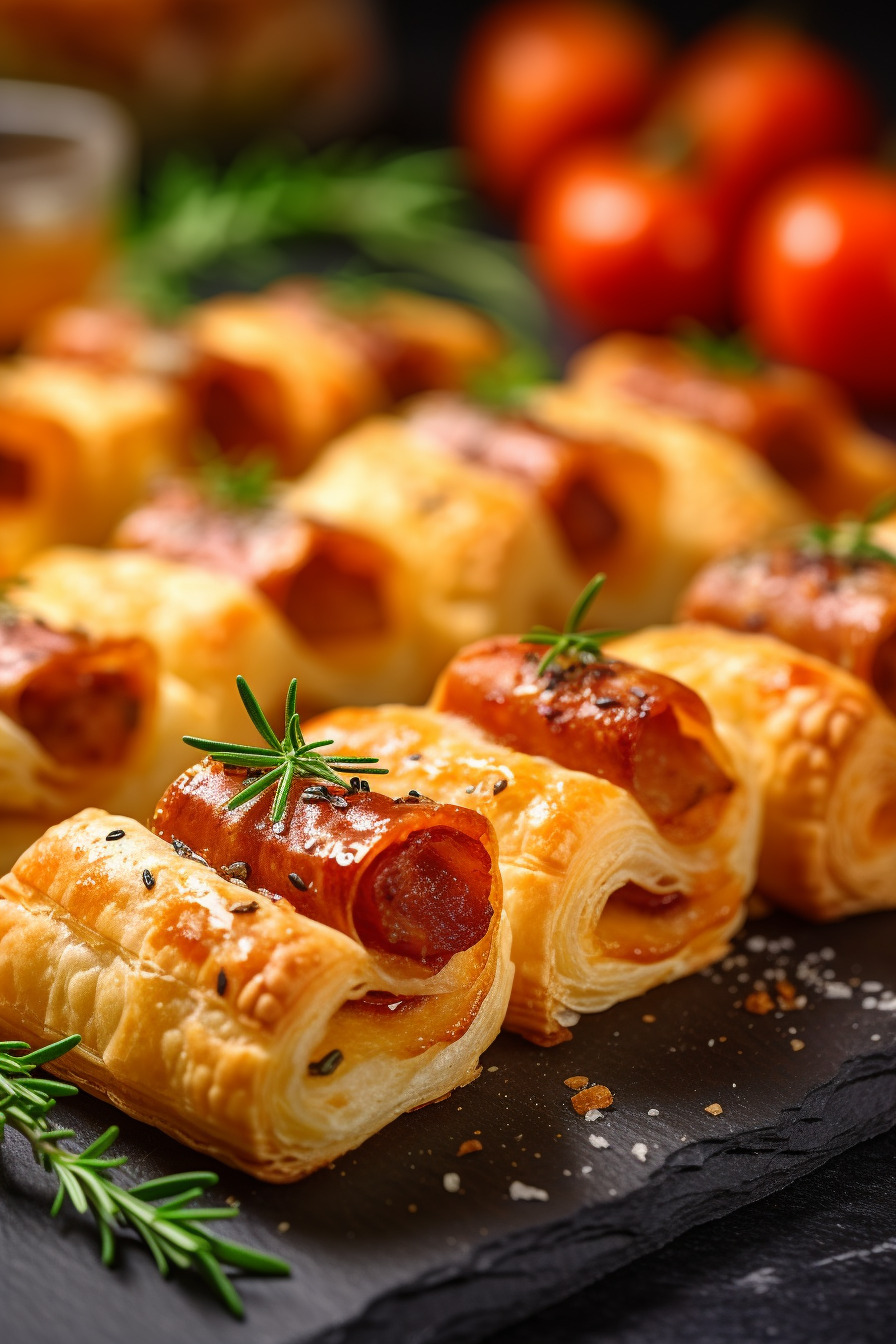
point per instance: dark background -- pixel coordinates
(426, 37)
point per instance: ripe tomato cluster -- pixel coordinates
(726, 186)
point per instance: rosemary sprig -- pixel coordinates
(571, 642)
(850, 538)
(404, 211)
(158, 1211)
(284, 758)
(9, 612)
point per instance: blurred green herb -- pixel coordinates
(505, 384)
(158, 1210)
(406, 211)
(237, 485)
(731, 354)
(851, 538)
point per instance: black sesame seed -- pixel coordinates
(329, 1064)
(355, 783)
(415, 755)
(298, 882)
(414, 793)
(148, 879)
(222, 982)
(116, 834)
(243, 908)
(365, 787)
(499, 785)
(607, 702)
(471, 788)
(238, 869)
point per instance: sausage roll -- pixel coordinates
(712, 494)
(482, 554)
(83, 721)
(797, 421)
(627, 827)
(839, 606)
(603, 497)
(825, 751)
(273, 1023)
(345, 597)
(77, 450)
(205, 627)
(285, 371)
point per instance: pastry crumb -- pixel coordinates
(451, 1182)
(639, 1151)
(596, 1098)
(519, 1190)
(713, 1109)
(759, 1002)
(797, 1044)
(647, 1017)
(576, 1082)
(469, 1146)
(283, 1227)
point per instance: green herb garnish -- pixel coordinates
(237, 485)
(283, 759)
(408, 212)
(571, 642)
(9, 612)
(506, 384)
(850, 538)
(157, 1210)
(731, 354)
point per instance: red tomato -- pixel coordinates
(541, 73)
(623, 242)
(818, 276)
(757, 99)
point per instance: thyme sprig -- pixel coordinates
(732, 354)
(284, 758)
(851, 538)
(571, 642)
(158, 1210)
(237, 485)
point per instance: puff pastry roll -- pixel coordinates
(627, 828)
(797, 421)
(839, 607)
(233, 1021)
(205, 627)
(77, 449)
(603, 497)
(346, 598)
(825, 750)
(712, 494)
(481, 551)
(83, 721)
(285, 371)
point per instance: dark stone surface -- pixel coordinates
(367, 1269)
(814, 1262)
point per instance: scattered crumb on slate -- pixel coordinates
(451, 1182)
(283, 1227)
(714, 1109)
(577, 1081)
(648, 1017)
(412, 1208)
(653, 1111)
(519, 1190)
(598, 1141)
(596, 1098)
(639, 1151)
(759, 1002)
(797, 1044)
(469, 1146)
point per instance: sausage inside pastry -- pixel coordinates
(798, 422)
(840, 606)
(825, 750)
(349, 965)
(82, 721)
(627, 826)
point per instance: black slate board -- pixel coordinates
(367, 1269)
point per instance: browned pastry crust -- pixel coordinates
(798, 422)
(824, 748)
(209, 1014)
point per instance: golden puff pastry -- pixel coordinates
(346, 598)
(78, 448)
(604, 900)
(825, 750)
(603, 497)
(286, 370)
(83, 722)
(205, 627)
(481, 552)
(797, 421)
(714, 494)
(233, 1022)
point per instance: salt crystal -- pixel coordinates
(639, 1150)
(451, 1182)
(518, 1190)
